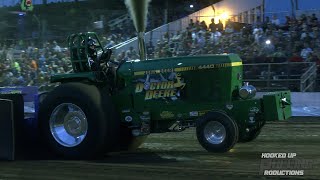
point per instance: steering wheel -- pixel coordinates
(106, 55)
(104, 59)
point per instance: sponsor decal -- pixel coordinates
(128, 118)
(254, 110)
(201, 113)
(229, 106)
(166, 114)
(252, 113)
(187, 68)
(125, 110)
(198, 113)
(252, 117)
(239, 76)
(160, 87)
(194, 113)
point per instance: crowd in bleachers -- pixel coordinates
(24, 64)
(298, 40)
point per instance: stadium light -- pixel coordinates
(225, 16)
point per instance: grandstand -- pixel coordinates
(32, 45)
(257, 40)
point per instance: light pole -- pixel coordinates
(166, 12)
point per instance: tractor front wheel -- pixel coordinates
(217, 132)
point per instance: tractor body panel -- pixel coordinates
(186, 88)
(180, 85)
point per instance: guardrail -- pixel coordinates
(308, 79)
(296, 76)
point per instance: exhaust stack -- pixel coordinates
(138, 11)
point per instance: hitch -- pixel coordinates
(181, 125)
(177, 127)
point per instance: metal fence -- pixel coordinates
(296, 76)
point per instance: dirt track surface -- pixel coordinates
(179, 156)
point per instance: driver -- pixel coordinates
(93, 59)
(97, 60)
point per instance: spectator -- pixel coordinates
(215, 37)
(305, 51)
(315, 33)
(220, 26)
(258, 35)
(150, 50)
(266, 23)
(296, 58)
(305, 36)
(203, 25)
(275, 21)
(56, 47)
(132, 54)
(212, 26)
(229, 27)
(200, 41)
(314, 18)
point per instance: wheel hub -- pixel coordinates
(73, 124)
(214, 132)
(68, 124)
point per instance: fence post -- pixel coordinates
(314, 79)
(288, 72)
(301, 85)
(269, 75)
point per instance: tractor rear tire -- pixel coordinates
(77, 121)
(42, 96)
(217, 132)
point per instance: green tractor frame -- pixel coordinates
(116, 107)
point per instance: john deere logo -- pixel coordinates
(26, 5)
(161, 87)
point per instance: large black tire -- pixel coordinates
(128, 142)
(99, 112)
(250, 136)
(226, 124)
(42, 96)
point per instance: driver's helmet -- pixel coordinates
(91, 46)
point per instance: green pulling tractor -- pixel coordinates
(105, 106)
